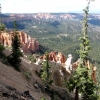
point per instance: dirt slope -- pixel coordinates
(10, 77)
(14, 86)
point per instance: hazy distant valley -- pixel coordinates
(58, 31)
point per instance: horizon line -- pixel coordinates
(49, 12)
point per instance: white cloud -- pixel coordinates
(31, 6)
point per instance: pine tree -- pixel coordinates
(1, 49)
(2, 26)
(14, 58)
(45, 75)
(81, 81)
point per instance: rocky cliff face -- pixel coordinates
(28, 44)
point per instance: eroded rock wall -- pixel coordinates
(28, 44)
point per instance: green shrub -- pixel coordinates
(5, 60)
(27, 75)
(1, 49)
(43, 99)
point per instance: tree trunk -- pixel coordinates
(76, 94)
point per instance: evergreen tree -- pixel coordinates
(82, 81)
(2, 27)
(14, 58)
(1, 49)
(45, 75)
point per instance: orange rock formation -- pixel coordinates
(28, 44)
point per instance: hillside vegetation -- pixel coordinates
(62, 35)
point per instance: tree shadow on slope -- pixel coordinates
(11, 26)
(94, 22)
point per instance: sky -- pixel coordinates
(47, 6)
